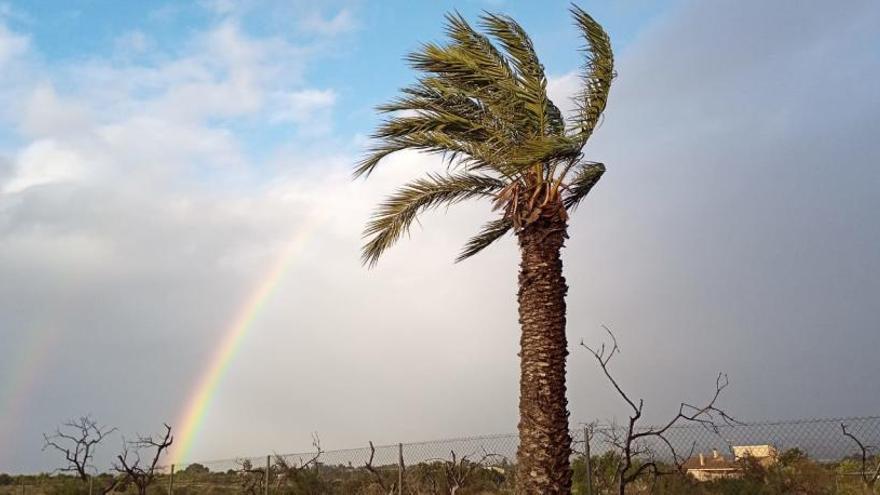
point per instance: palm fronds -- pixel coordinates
(396, 214)
(582, 183)
(545, 116)
(476, 154)
(490, 233)
(482, 104)
(597, 76)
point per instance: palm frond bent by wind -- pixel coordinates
(482, 104)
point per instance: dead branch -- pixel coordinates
(252, 479)
(377, 476)
(142, 475)
(288, 470)
(633, 444)
(77, 439)
(869, 479)
(459, 473)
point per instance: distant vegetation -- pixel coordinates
(795, 473)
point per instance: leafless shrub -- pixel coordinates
(130, 465)
(251, 478)
(637, 458)
(78, 440)
(458, 472)
(290, 471)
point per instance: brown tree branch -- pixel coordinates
(77, 439)
(867, 478)
(251, 478)
(287, 470)
(633, 445)
(142, 476)
(458, 471)
(377, 476)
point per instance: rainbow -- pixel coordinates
(21, 381)
(190, 422)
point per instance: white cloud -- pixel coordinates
(131, 217)
(133, 42)
(342, 22)
(45, 114)
(11, 44)
(561, 89)
(146, 145)
(231, 81)
(309, 108)
(220, 7)
(221, 73)
(45, 162)
(299, 104)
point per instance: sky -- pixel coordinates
(173, 172)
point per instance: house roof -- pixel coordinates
(709, 463)
(757, 451)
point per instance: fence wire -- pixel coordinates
(820, 439)
(486, 464)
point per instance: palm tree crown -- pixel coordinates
(486, 110)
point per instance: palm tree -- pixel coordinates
(485, 109)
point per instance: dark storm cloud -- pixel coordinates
(736, 229)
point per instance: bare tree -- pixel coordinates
(77, 440)
(637, 458)
(142, 475)
(289, 470)
(458, 472)
(389, 488)
(252, 478)
(869, 474)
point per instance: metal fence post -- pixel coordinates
(588, 462)
(171, 481)
(268, 466)
(400, 469)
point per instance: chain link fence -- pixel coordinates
(485, 464)
(820, 439)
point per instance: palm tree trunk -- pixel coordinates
(543, 465)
